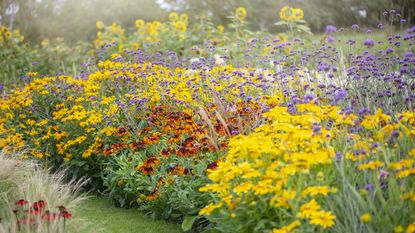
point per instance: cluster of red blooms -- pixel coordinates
(148, 166)
(186, 136)
(114, 148)
(37, 212)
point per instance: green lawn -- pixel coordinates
(100, 216)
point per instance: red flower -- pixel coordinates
(65, 214)
(21, 202)
(37, 207)
(39, 204)
(212, 166)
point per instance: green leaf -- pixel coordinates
(188, 221)
(304, 28)
(280, 23)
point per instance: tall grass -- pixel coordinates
(28, 181)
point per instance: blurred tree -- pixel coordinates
(73, 19)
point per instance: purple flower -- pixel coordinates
(339, 155)
(330, 29)
(369, 43)
(355, 26)
(410, 30)
(408, 55)
(339, 95)
(308, 97)
(316, 128)
(330, 39)
(369, 187)
(389, 50)
(383, 174)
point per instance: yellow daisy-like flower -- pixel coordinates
(317, 190)
(287, 229)
(307, 209)
(241, 13)
(323, 218)
(209, 208)
(366, 218)
(371, 165)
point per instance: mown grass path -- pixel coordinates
(102, 217)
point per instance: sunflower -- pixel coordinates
(184, 18)
(298, 14)
(8, 35)
(241, 13)
(173, 17)
(139, 23)
(286, 13)
(180, 26)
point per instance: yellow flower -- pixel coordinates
(410, 228)
(241, 13)
(100, 25)
(366, 218)
(320, 176)
(287, 229)
(173, 17)
(184, 17)
(406, 163)
(286, 13)
(298, 14)
(408, 196)
(371, 165)
(220, 28)
(243, 188)
(372, 121)
(323, 218)
(307, 209)
(139, 23)
(8, 35)
(405, 173)
(316, 190)
(398, 229)
(180, 26)
(207, 210)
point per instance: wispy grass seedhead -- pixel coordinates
(24, 185)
